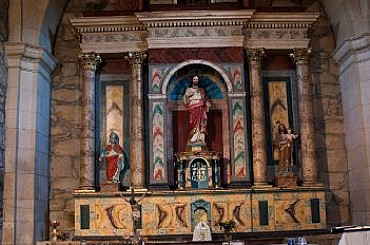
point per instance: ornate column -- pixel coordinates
(258, 118)
(308, 156)
(89, 62)
(137, 147)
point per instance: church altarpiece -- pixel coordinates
(228, 75)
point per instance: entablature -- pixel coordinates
(196, 29)
(279, 30)
(112, 34)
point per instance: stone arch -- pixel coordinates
(50, 23)
(219, 69)
(42, 23)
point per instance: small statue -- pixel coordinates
(202, 231)
(284, 142)
(135, 215)
(113, 155)
(198, 105)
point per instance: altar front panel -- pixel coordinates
(169, 213)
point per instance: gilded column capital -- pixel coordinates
(301, 54)
(135, 57)
(89, 60)
(255, 54)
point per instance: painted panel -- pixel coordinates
(269, 199)
(114, 104)
(239, 139)
(278, 105)
(156, 78)
(170, 213)
(158, 142)
(236, 74)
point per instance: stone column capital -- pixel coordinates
(89, 61)
(255, 54)
(135, 57)
(301, 55)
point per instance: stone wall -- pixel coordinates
(3, 83)
(329, 125)
(64, 151)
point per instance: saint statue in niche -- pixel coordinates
(113, 156)
(198, 105)
(284, 142)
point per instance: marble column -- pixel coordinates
(89, 62)
(258, 118)
(305, 104)
(137, 147)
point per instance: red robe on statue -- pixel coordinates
(114, 159)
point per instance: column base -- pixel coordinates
(286, 181)
(312, 184)
(137, 189)
(83, 189)
(159, 187)
(240, 184)
(261, 186)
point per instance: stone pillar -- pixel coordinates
(27, 153)
(89, 63)
(137, 147)
(305, 104)
(258, 118)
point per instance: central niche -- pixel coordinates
(198, 169)
(214, 87)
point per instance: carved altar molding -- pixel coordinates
(279, 30)
(112, 34)
(195, 18)
(184, 29)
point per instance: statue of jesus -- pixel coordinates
(198, 105)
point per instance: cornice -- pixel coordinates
(283, 20)
(110, 34)
(279, 30)
(195, 18)
(106, 24)
(177, 29)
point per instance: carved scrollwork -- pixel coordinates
(255, 54)
(136, 57)
(301, 54)
(89, 60)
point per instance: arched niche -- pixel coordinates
(169, 129)
(216, 90)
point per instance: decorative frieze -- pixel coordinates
(121, 33)
(195, 32)
(179, 29)
(279, 30)
(271, 34)
(106, 38)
